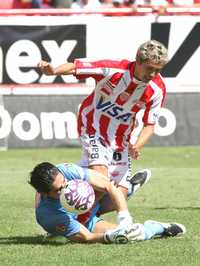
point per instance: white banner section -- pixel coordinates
(26, 40)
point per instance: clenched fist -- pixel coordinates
(134, 152)
(46, 67)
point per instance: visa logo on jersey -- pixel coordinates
(113, 110)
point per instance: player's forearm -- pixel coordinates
(91, 238)
(144, 136)
(48, 69)
(85, 236)
(65, 69)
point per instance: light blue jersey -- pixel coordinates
(55, 219)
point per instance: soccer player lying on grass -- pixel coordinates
(49, 180)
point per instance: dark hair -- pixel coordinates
(42, 177)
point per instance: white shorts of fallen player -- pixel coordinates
(95, 152)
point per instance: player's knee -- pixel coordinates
(124, 190)
(102, 169)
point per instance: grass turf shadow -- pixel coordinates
(27, 240)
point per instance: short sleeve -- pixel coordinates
(152, 111)
(99, 69)
(73, 171)
(58, 222)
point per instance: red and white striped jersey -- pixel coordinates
(110, 110)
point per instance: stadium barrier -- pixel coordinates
(133, 10)
(46, 116)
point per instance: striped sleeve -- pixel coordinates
(153, 107)
(98, 69)
(152, 110)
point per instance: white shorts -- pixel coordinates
(95, 152)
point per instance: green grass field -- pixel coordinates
(171, 195)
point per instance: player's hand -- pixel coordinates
(134, 151)
(46, 68)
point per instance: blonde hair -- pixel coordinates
(153, 52)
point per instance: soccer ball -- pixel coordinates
(78, 196)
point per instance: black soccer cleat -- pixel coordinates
(139, 179)
(174, 229)
(170, 229)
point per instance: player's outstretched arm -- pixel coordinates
(145, 135)
(107, 234)
(85, 236)
(48, 69)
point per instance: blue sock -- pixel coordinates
(152, 229)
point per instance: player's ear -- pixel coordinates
(139, 61)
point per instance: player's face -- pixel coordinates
(58, 184)
(147, 71)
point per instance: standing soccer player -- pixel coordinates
(107, 117)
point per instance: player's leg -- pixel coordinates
(120, 172)
(96, 156)
(156, 228)
(153, 229)
(102, 226)
(140, 178)
(113, 233)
